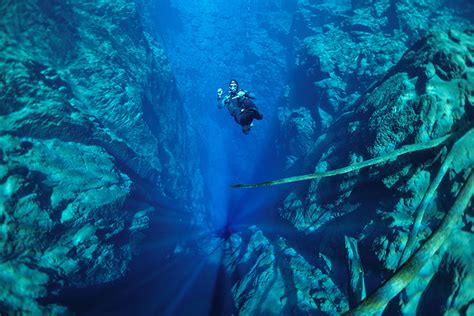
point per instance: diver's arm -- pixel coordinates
(220, 102)
(220, 99)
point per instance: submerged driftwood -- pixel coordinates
(377, 301)
(356, 271)
(391, 156)
(427, 198)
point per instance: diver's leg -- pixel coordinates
(246, 129)
(249, 105)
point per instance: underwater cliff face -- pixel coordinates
(342, 48)
(208, 43)
(428, 94)
(92, 143)
(359, 93)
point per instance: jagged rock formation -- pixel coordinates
(276, 279)
(405, 107)
(426, 95)
(92, 143)
(342, 48)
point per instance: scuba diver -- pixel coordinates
(240, 105)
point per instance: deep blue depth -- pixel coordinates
(182, 270)
(206, 44)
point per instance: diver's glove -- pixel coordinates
(219, 93)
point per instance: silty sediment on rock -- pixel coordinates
(341, 49)
(428, 94)
(89, 122)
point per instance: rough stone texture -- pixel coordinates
(89, 123)
(342, 48)
(404, 108)
(358, 94)
(275, 279)
(450, 287)
(428, 94)
(364, 85)
(298, 130)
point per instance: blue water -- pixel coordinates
(208, 43)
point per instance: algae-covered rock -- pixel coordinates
(394, 112)
(426, 95)
(275, 279)
(344, 47)
(89, 123)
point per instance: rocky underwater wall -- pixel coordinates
(341, 49)
(388, 79)
(92, 138)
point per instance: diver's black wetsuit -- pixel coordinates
(242, 109)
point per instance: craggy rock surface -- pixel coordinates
(278, 280)
(369, 79)
(428, 94)
(93, 143)
(413, 104)
(343, 47)
(89, 125)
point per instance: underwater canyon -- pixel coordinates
(124, 189)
